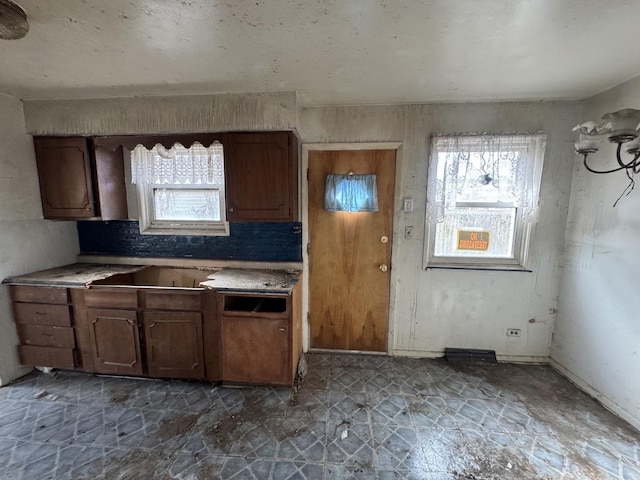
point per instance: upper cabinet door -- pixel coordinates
(110, 182)
(261, 176)
(64, 170)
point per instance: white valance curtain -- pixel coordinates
(497, 168)
(179, 165)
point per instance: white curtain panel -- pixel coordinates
(485, 168)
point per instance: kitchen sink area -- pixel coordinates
(230, 325)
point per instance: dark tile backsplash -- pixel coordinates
(251, 241)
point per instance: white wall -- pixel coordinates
(175, 114)
(27, 242)
(597, 337)
(434, 309)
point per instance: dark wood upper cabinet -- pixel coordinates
(64, 170)
(261, 172)
(78, 181)
(82, 178)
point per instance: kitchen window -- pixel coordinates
(180, 190)
(482, 200)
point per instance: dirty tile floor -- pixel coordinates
(353, 416)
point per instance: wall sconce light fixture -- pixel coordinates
(351, 193)
(621, 128)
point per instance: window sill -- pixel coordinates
(220, 230)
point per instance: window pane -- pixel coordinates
(186, 204)
(498, 222)
(481, 177)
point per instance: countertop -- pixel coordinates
(227, 279)
(74, 275)
(250, 280)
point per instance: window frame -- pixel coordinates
(522, 232)
(149, 225)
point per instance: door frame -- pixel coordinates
(306, 148)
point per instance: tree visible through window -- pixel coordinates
(482, 196)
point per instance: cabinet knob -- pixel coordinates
(282, 329)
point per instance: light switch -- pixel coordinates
(407, 205)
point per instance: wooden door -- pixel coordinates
(64, 171)
(174, 344)
(350, 256)
(115, 341)
(261, 177)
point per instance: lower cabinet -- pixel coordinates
(174, 344)
(236, 337)
(115, 341)
(255, 350)
(45, 326)
(147, 335)
(260, 337)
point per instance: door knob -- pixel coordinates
(383, 268)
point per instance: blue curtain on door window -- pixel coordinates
(351, 193)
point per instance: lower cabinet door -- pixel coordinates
(174, 344)
(255, 350)
(115, 341)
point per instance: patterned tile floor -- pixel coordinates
(353, 417)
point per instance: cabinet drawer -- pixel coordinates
(47, 336)
(57, 295)
(42, 314)
(46, 356)
(173, 301)
(111, 298)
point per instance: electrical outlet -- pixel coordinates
(407, 205)
(408, 232)
(513, 332)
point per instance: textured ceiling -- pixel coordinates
(329, 51)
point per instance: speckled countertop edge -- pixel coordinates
(73, 275)
(253, 280)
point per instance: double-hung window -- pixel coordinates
(482, 198)
(180, 190)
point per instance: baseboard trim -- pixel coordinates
(331, 350)
(417, 354)
(535, 359)
(600, 397)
